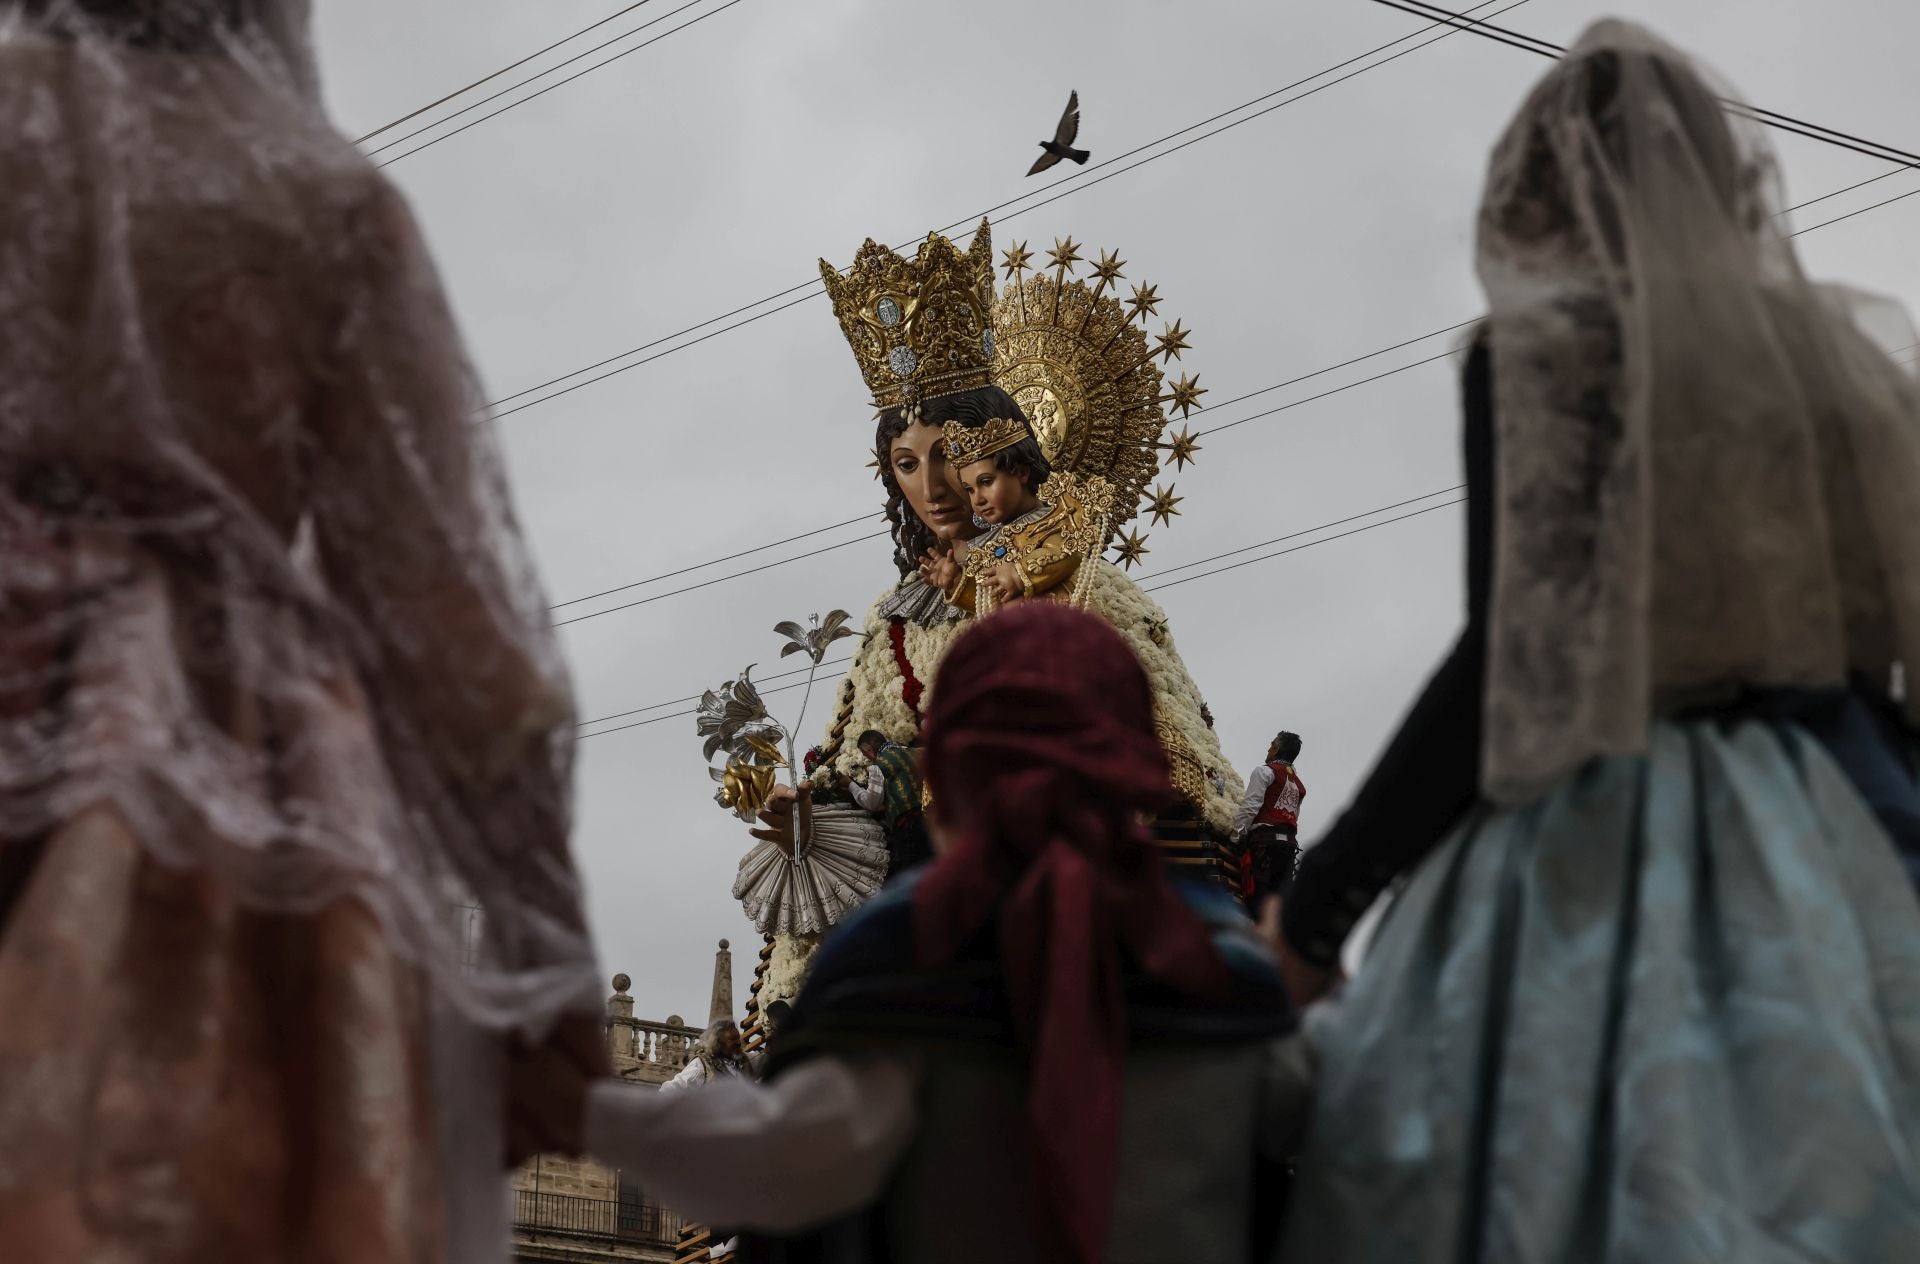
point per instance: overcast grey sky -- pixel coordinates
(709, 170)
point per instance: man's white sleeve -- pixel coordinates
(1257, 784)
(816, 1144)
(873, 795)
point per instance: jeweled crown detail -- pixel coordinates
(920, 327)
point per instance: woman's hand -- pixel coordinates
(776, 816)
(939, 569)
(1305, 983)
(547, 1087)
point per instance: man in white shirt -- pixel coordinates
(890, 789)
(719, 1056)
(1268, 824)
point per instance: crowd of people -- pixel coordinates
(278, 679)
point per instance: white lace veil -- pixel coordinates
(240, 472)
(1707, 474)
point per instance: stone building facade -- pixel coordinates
(576, 1211)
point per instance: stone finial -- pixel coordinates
(722, 1003)
(620, 1005)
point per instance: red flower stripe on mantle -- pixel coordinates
(910, 686)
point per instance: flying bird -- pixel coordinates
(1061, 146)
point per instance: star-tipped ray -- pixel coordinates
(1173, 341)
(1105, 273)
(1016, 259)
(1181, 448)
(1130, 547)
(1062, 258)
(1145, 302)
(1162, 505)
(1185, 394)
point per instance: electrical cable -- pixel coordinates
(758, 548)
(1172, 583)
(719, 579)
(455, 95)
(534, 96)
(813, 284)
(621, 715)
(677, 715)
(1294, 535)
(1549, 49)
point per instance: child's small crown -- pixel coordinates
(965, 446)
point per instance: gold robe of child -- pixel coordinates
(1045, 547)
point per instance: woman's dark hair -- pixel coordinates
(872, 737)
(972, 409)
(1287, 746)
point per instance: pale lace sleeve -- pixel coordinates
(447, 622)
(413, 514)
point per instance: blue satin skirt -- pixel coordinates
(1668, 1015)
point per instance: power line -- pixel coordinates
(645, 346)
(677, 715)
(1444, 355)
(533, 96)
(535, 78)
(720, 579)
(621, 715)
(1366, 381)
(407, 118)
(1203, 433)
(799, 557)
(812, 285)
(1304, 377)
(1172, 583)
(1226, 127)
(1548, 49)
(1900, 197)
(661, 355)
(1185, 566)
(1239, 399)
(1454, 22)
(1344, 364)
(758, 548)
(1801, 206)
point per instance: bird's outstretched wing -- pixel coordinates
(1045, 160)
(1069, 128)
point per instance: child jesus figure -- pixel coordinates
(1039, 525)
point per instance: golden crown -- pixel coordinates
(920, 327)
(965, 446)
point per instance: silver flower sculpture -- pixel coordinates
(734, 719)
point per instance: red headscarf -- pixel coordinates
(1042, 757)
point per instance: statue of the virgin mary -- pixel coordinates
(1065, 357)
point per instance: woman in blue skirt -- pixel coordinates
(1650, 990)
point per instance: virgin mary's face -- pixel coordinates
(920, 467)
